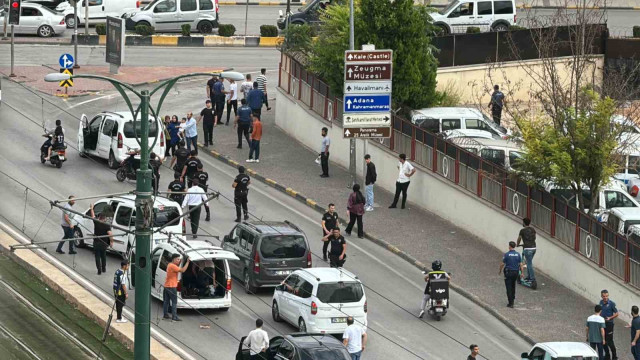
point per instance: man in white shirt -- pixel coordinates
(193, 201)
(232, 100)
(246, 86)
(354, 338)
(405, 171)
(191, 132)
(258, 342)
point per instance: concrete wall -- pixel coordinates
(441, 197)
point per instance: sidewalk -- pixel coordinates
(552, 313)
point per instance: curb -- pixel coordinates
(178, 41)
(390, 247)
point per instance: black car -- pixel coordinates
(308, 14)
(300, 346)
(51, 4)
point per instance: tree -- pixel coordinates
(298, 39)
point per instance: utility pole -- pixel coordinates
(12, 51)
(352, 142)
(75, 34)
(86, 17)
(6, 18)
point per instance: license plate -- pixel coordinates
(339, 320)
(61, 158)
(439, 309)
(283, 272)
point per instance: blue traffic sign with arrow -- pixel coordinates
(66, 61)
(367, 103)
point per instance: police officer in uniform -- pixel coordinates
(338, 250)
(511, 265)
(203, 177)
(191, 167)
(241, 186)
(176, 186)
(155, 163)
(435, 273)
(180, 157)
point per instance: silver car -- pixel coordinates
(36, 19)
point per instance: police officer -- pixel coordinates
(190, 167)
(176, 186)
(609, 312)
(203, 177)
(241, 186)
(329, 221)
(338, 250)
(511, 264)
(155, 162)
(435, 273)
(180, 157)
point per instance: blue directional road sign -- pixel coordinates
(367, 103)
(66, 61)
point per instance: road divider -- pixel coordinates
(188, 41)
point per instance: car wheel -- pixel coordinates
(275, 312)
(302, 325)
(205, 27)
(113, 164)
(70, 20)
(77, 233)
(143, 23)
(501, 27)
(441, 29)
(45, 31)
(247, 283)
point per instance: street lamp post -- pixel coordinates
(144, 199)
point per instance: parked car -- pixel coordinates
(488, 15)
(439, 119)
(268, 250)
(469, 133)
(621, 218)
(36, 19)
(207, 282)
(560, 351)
(308, 14)
(110, 135)
(170, 15)
(98, 10)
(121, 212)
(49, 4)
(503, 153)
(319, 300)
(300, 346)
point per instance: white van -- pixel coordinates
(560, 351)
(488, 15)
(98, 10)
(620, 219)
(207, 282)
(439, 119)
(170, 15)
(121, 212)
(110, 135)
(500, 152)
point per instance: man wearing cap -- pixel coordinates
(170, 294)
(120, 289)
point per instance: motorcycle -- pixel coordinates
(438, 304)
(522, 280)
(58, 155)
(129, 166)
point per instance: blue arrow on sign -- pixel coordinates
(367, 103)
(66, 61)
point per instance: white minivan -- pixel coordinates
(501, 152)
(319, 300)
(98, 10)
(488, 15)
(439, 119)
(110, 135)
(170, 15)
(560, 351)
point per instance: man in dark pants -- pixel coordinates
(155, 163)
(175, 187)
(243, 122)
(528, 238)
(219, 99)
(179, 158)
(190, 167)
(511, 264)
(203, 177)
(497, 101)
(120, 289)
(338, 250)
(329, 222)
(208, 118)
(193, 202)
(405, 171)
(324, 152)
(635, 333)
(609, 312)
(103, 240)
(241, 192)
(255, 99)
(67, 227)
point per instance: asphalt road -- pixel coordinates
(393, 287)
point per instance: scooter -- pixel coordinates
(58, 156)
(521, 277)
(128, 168)
(438, 304)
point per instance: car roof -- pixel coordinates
(273, 227)
(326, 274)
(159, 200)
(472, 133)
(567, 349)
(441, 112)
(488, 143)
(626, 213)
(306, 340)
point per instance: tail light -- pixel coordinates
(314, 308)
(228, 284)
(161, 139)
(184, 226)
(62, 152)
(365, 306)
(439, 302)
(256, 263)
(61, 22)
(179, 288)
(309, 259)
(634, 191)
(119, 141)
(137, 4)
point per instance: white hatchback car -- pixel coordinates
(319, 300)
(488, 15)
(36, 19)
(110, 135)
(560, 351)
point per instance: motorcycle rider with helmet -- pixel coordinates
(436, 272)
(57, 142)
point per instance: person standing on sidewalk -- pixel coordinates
(595, 332)
(255, 99)
(246, 86)
(170, 293)
(496, 103)
(369, 180)
(241, 192)
(258, 342)
(256, 135)
(208, 118)
(511, 264)
(262, 86)
(203, 177)
(355, 207)
(475, 351)
(338, 250)
(67, 227)
(324, 152)
(210, 83)
(243, 122)
(528, 238)
(329, 222)
(405, 171)
(103, 240)
(635, 333)
(354, 339)
(232, 102)
(219, 99)
(609, 312)
(120, 289)
(191, 132)
(193, 202)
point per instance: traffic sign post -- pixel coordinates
(367, 103)
(366, 120)
(367, 87)
(367, 132)
(66, 61)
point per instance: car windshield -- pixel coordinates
(162, 215)
(451, 5)
(340, 292)
(514, 157)
(324, 353)
(569, 196)
(129, 133)
(283, 247)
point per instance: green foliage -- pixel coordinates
(473, 30)
(516, 27)
(101, 29)
(450, 96)
(186, 29)
(268, 30)
(226, 30)
(636, 31)
(145, 30)
(298, 38)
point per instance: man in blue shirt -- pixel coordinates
(609, 312)
(635, 333)
(243, 122)
(511, 264)
(191, 132)
(255, 99)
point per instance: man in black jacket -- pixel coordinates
(369, 180)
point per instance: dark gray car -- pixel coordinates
(268, 250)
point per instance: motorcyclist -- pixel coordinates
(58, 139)
(129, 162)
(435, 273)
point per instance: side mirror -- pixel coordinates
(524, 355)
